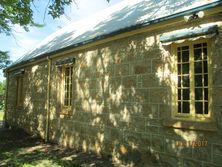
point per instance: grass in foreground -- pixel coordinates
(21, 150)
(1, 115)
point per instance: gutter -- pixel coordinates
(48, 101)
(126, 29)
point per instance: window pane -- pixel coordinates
(185, 56)
(205, 44)
(185, 47)
(179, 107)
(198, 94)
(186, 81)
(205, 53)
(205, 67)
(206, 108)
(179, 69)
(186, 107)
(198, 80)
(198, 67)
(206, 94)
(199, 107)
(197, 45)
(186, 94)
(185, 68)
(205, 80)
(179, 57)
(179, 94)
(179, 81)
(66, 102)
(67, 72)
(197, 54)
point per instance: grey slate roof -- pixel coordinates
(123, 16)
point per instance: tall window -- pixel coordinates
(19, 99)
(193, 79)
(68, 71)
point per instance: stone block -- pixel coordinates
(122, 69)
(170, 161)
(150, 81)
(137, 124)
(156, 65)
(191, 163)
(140, 95)
(152, 129)
(217, 159)
(158, 95)
(202, 153)
(129, 82)
(157, 143)
(151, 111)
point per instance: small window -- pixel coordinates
(19, 97)
(193, 85)
(67, 87)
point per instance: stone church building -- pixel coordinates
(140, 81)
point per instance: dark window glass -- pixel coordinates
(205, 80)
(179, 107)
(179, 69)
(205, 53)
(179, 94)
(66, 102)
(206, 94)
(185, 68)
(197, 54)
(179, 81)
(185, 47)
(198, 80)
(205, 67)
(197, 45)
(186, 81)
(179, 57)
(199, 107)
(198, 94)
(185, 56)
(204, 44)
(198, 67)
(206, 108)
(186, 107)
(186, 94)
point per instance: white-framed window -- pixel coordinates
(192, 90)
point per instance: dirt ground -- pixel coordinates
(18, 149)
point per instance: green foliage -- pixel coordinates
(20, 12)
(1, 115)
(4, 59)
(2, 95)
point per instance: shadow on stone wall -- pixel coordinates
(120, 93)
(121, 90)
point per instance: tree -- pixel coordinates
(20, 12)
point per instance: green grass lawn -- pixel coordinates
(1, 115)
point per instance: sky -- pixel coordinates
(21, 41)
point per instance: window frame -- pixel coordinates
(66, 109)
(192, 116)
